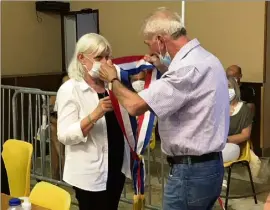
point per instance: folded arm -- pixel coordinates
(241, 137)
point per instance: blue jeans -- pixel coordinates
(193, 186)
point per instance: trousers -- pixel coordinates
(193, 186)
(231, 152)
(102, 200)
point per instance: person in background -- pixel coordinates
(191, 102)
(138, 82)
(57, 150)
(247, 92)
(96, 156)
(241, 119)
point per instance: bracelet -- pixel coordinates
(114, 79)
(90, 120)
(111, 82)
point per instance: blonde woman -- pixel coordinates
(240, 123)
(96, 156)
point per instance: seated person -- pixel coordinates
(56, 146)
(138, 82)
(247, 92)
(240, 123)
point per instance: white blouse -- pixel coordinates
(86, 158)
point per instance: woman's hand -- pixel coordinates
(104, 105)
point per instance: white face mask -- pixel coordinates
(231, 93)
(138, 85)
(94, 72)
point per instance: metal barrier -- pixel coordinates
(6, 116)
(32, 121)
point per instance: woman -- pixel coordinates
(95, 151)
(240, 123)
(57, 150)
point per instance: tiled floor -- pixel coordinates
(240, 186)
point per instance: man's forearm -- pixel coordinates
(131, 101)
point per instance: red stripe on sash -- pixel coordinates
(148, 78)
(118, 115)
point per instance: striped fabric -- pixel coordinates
(137, 132)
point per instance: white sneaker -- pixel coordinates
(224, 183)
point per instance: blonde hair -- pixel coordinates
(162, 22)
(93, 44)
(236, 88)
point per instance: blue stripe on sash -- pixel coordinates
(149, 130)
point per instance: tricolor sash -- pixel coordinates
(137, 131)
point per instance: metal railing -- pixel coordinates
(27, 113)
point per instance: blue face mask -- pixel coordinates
(166, 59)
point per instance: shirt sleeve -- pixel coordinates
(248, 117)
(69, 130)
(168, 94)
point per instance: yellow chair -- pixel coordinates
(17, 158)
(50, 196)
(244, 159)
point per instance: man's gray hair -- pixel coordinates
(163, 22)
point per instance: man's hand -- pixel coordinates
(154, 60)
(107, 71)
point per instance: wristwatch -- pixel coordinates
(111, 82)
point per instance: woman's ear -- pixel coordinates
(80, 57)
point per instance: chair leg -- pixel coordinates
(252, 183)
(228, 187)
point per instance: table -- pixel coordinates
(5, 200)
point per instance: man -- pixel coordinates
(247, 92)
(191, 102)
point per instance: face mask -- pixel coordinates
(94, 72)
(166, 59)
(231, 93)
(138, 85)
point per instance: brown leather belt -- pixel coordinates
(190, 159)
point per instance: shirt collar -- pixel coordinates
(83, 85)
(187, 48)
